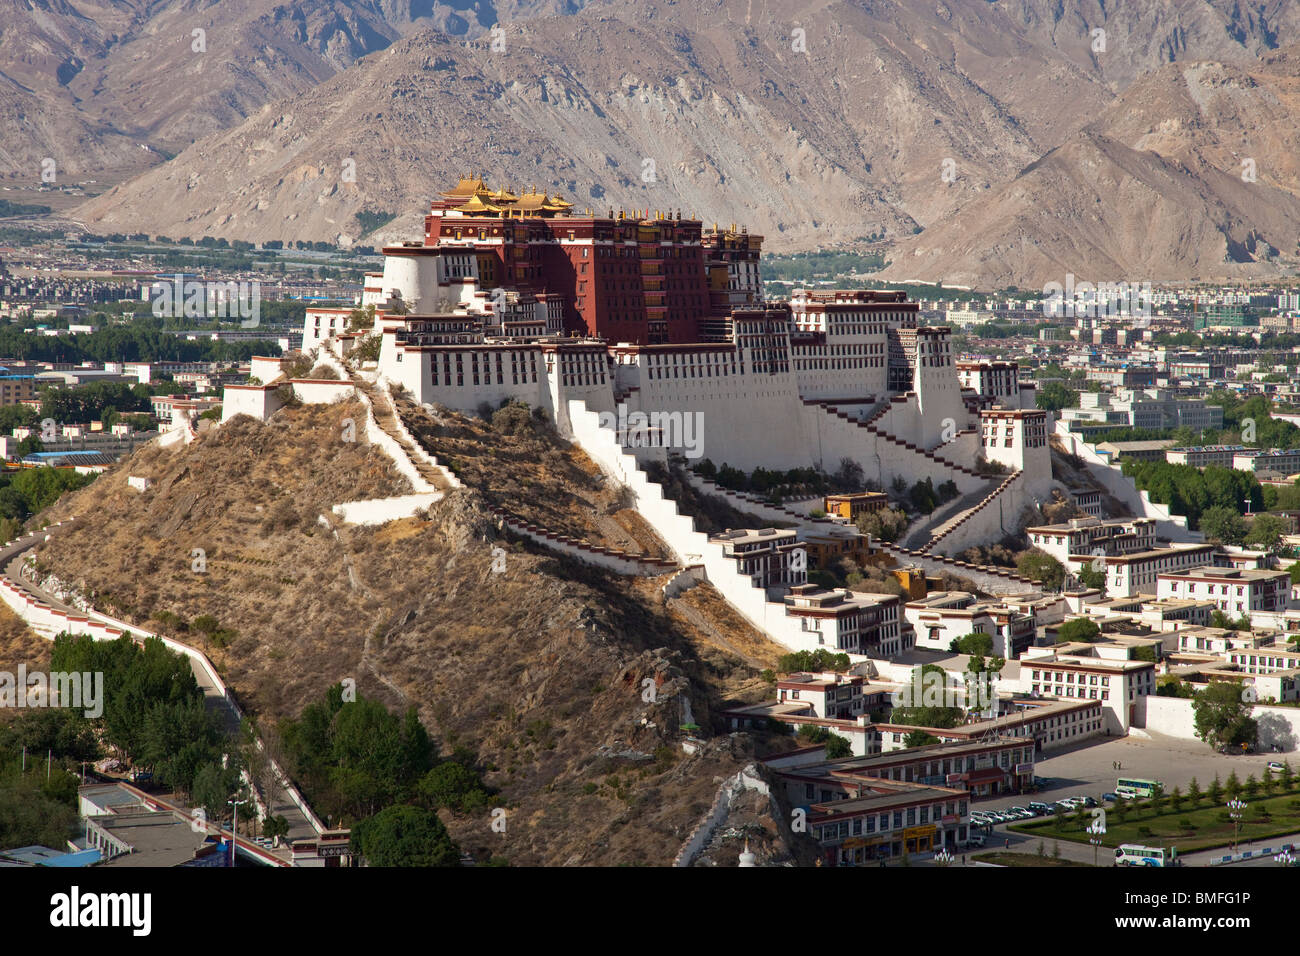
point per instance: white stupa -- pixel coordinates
(747, 858)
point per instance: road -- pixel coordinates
(11, 556)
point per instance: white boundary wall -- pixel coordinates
(1173, 717)
(1168, 525)
(733, 787)
(100, 627)
(689, 546)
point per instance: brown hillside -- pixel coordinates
(538, 670)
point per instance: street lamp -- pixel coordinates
(1095, 834)
(234, 827)
(1236, 810)
(1285, 858)
(943, 857)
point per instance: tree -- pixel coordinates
(1232, 786)
(1041, 567)
(849, 476)
(887, 524)
(973, 643)
(1219, 619)
(1215, 791)
(1269, 783)
(1091, 577)
(1252, 787)
(1224, 524)
(837, 747)
(214, 787)
(1221, 716)
(276, 827)
(1157, 799)
(919, 738)
(923, 497)
(1081, 629)
(812, 661)
(1194, 793)
(1176, 799)
(1054, 396)
(453, 786)
(1266, 532)
(927, 712)
(404, 836)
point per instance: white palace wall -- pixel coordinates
(689, 546)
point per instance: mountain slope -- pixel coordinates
(1158, 187)
(538, 670)
(90, 82)
(810, 148)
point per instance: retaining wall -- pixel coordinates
(612, 559)
(678, 531)
(747, 779)
(1168, 525)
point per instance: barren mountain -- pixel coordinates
(109, 84)
(1191, 173)
(816, 122)
(813, 123)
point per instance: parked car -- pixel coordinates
(1040, 808)
(1024, 813)
(1109, 797)
(1275, 767)
(975, 839)
(1089, 802)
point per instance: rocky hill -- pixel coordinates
(814, 123)
(1191, 173)
(538, 669)
(121, 84)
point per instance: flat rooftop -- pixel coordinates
(157, 839)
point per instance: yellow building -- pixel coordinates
(850, 506)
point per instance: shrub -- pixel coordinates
(512, 419)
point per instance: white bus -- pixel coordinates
(1131, 854)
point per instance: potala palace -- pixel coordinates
(518, 298)
(644, 337)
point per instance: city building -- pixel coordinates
(850, 621)
(1138, 571)
(1235, 591)
(1093, 536)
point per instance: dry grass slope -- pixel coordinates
(539, 670)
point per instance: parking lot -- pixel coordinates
(1087, 769)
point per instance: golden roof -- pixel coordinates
(468, 186)
(472, 196)
(476, 204)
